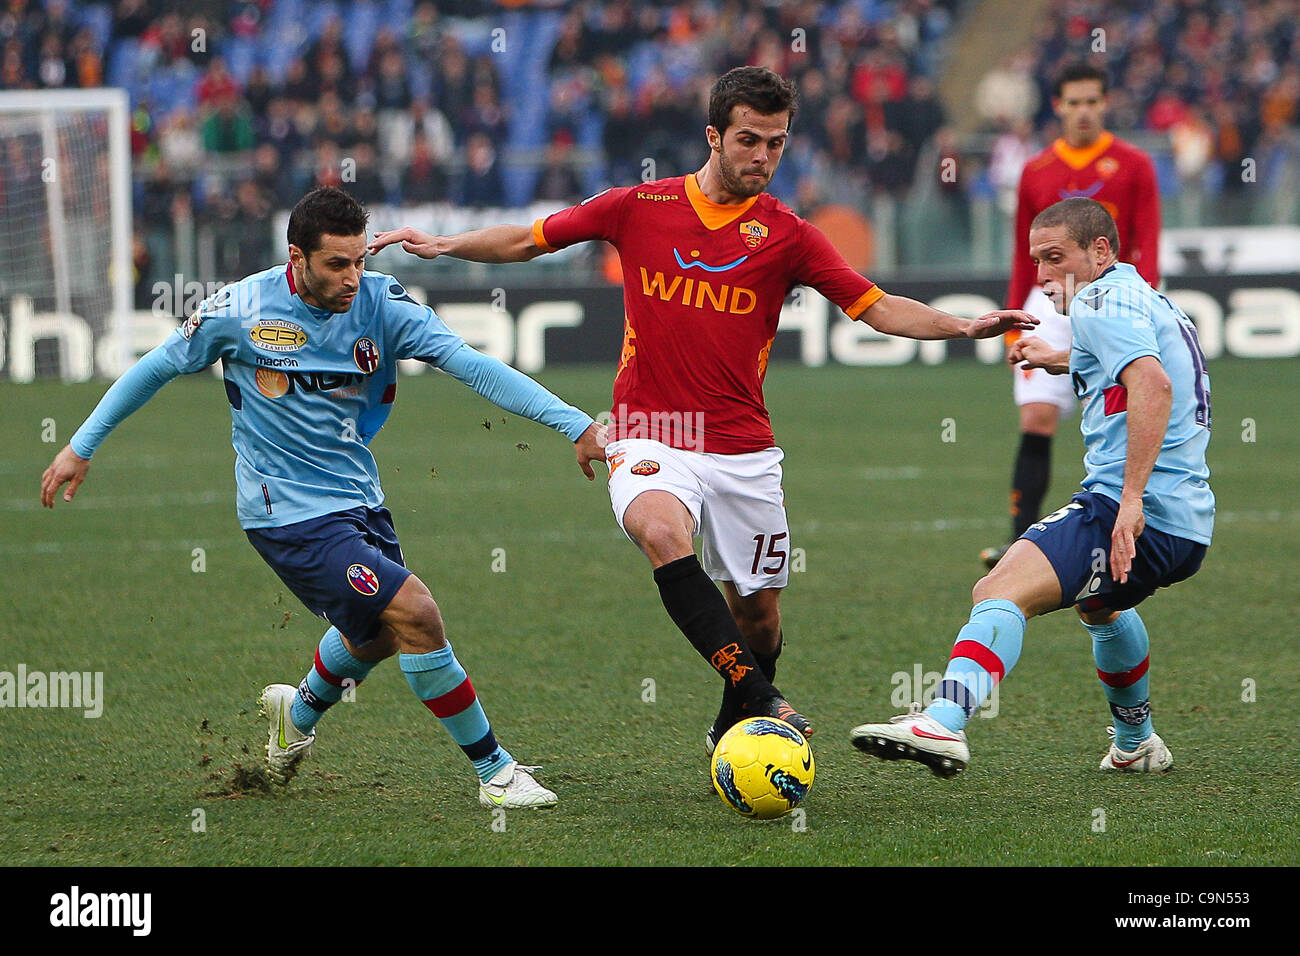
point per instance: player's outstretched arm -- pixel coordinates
(1150, 398)
(899, 315)
(504, 243)
(139, 384)
(514, 391)
(1033, 352)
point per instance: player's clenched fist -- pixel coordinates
(1033, 352)
(67, 466)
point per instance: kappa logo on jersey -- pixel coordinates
(366, 354)
(277, 335)
(653, 197)
(363, 580)
(191, 325)
(1093, 298)
(645, 467)
(753, 232)
(397, 293)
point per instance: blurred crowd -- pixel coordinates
(239, 106)
(1220, 80)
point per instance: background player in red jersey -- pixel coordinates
(707, 261)
(1091, 162)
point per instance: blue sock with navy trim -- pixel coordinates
(334, 672)
(442, 684)
(986, 650)
(1121, 650)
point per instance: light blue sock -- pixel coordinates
(1121, 650)
(442, 684)
(325, 683)
(986, 650)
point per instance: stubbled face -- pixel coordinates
(747, 154)
(1081, 108)
(1063, 265)
(330, 277)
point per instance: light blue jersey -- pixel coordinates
(308, 388)
(1116, 319)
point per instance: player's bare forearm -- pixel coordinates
(899, 315)
(496, 244)
(1150, 398)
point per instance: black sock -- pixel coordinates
(1029, 481)
(700, 611)
(767, 662)
(732, 709)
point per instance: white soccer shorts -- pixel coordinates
(1038, 385)
(736, 502)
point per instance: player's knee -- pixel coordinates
(426, 619)
(663, 541)
(1039, 418)
(1096, 618)
(414, 618)
(988, 588)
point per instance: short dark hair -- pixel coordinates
(326, 210)
(1079, 70)
(1084, 219)
(754, 86)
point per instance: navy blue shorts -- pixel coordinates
(1076, 540)
(345, 566)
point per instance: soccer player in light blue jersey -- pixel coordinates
(1142, 522)
(309, 354)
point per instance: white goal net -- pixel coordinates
(65, 237)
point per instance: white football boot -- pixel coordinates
(915, 736)
(513, 787)
(1151, 756)
(710, 742)
(286, 744)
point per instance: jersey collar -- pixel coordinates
(1077, 159)
(714, 215)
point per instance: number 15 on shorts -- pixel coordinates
(773, 560)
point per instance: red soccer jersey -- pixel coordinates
(703, 285)
(1116, 174)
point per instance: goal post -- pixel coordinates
(65, 194)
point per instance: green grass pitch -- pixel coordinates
(580, 669)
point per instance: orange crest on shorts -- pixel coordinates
(753, 232)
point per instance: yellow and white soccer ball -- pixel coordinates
(762, 768)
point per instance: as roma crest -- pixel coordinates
(753, 232)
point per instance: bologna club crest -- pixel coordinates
(366, 354)
(753, 232)
(363, 580)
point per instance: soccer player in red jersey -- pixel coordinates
(708, 260)
(1086, 161)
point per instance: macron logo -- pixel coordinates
(75, 909)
